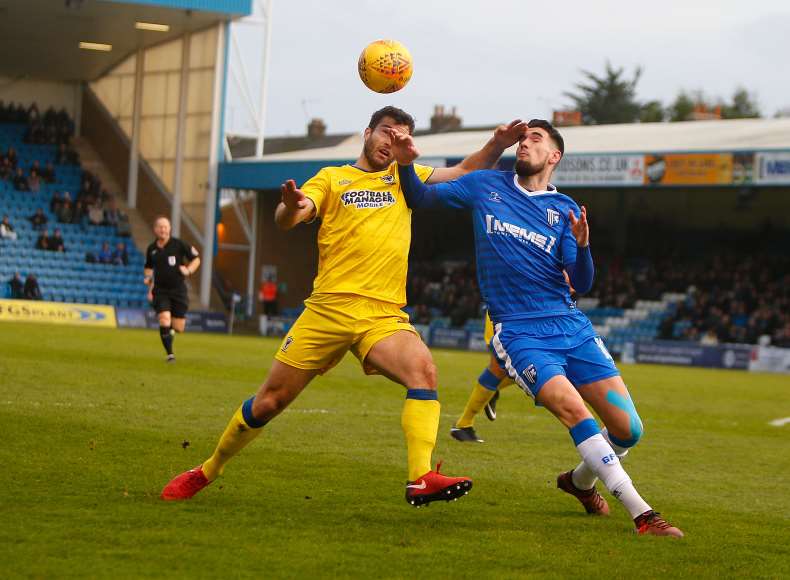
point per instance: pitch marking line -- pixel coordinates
(780, 422)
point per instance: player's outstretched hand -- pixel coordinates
(184, 271)
(403, 148)
(580, 227)
(507, 135)
(293, 197)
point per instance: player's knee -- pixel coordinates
(422, 375)
(427, 375)
(269, 404)
(627, 436)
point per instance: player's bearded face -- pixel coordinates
(378, 145)
(527, 168)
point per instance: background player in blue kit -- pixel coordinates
(526, 234)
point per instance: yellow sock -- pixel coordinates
(237, 435)
(506, 382)
(420, 422)
(477, 400)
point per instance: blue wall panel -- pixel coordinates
(235, 7)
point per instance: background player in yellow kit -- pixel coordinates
(485, 393)
(483, 396)
(356, 303)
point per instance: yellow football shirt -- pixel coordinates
(363, 241)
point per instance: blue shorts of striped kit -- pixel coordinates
(532, 351)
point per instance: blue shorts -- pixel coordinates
(534, 351)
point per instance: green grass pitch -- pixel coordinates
(93, 424)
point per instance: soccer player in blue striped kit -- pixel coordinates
(526, 234)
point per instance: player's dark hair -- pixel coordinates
(400, 117)
(549, 128)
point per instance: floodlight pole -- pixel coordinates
(134, 148)
(264, 78)
(175, 215)
(212, 190)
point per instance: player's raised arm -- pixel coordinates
(581, 269)
(294, 208)
(418, 194)
(486, 158)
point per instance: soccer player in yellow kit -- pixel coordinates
(363, 245)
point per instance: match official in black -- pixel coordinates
(168, 262)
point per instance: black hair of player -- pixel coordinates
(400, 117)
(555, 136)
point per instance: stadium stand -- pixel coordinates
(39, 141)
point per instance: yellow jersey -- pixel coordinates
(363, 241)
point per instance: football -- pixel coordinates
(385, 66)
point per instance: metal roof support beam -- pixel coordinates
(134, 148)
(175, 215)
(217, 135)
(267, 9)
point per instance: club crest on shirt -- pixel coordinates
(365, 198)
(171, 260)
(344, 182)
(531, 374)
(495, 197)
(388, 179)
(553, 217)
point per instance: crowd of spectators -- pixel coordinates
(449, 288)
(27, 290)
(118, 257)
(50, 128)
(733, 297)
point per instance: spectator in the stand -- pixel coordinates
(42, 243)
(48, 173)
(66, 156)
(16, 286)
(6, 171)
(709, 338)
(80, 215)
(36, 166)
(421, 314)
(33, 114)
(120, 257)
(113, 215)
(12, 157)
(95, 214)
(32, 290)
(20, 181)
(56, 242)
(39, 220)
(65, 209)
(105, 254)
(34, 181)
(7, 231)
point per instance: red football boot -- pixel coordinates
(434, 486)
(651, 523)
(593, 502)
(186, 485)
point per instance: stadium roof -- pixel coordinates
(40, 38)
(690, 136)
